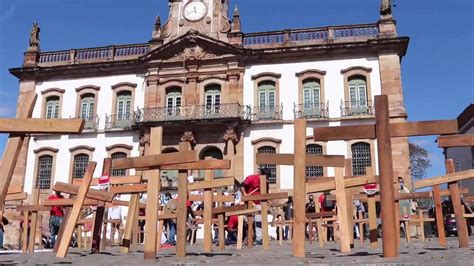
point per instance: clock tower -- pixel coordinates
(208, 17)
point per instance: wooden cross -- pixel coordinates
(300, 160)
(383, 131)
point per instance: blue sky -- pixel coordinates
(437, 72)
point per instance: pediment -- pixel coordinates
(193, 46)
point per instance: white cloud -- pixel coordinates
(7, 13)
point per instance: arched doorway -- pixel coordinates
(214, 152)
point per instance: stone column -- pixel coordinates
(231, 140)
(152, 96)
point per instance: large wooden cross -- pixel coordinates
(384, 131)
(300, 160)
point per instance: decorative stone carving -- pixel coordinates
(152, 80)
(188, 136)
(231, 135)
(194, 53)
(34, 37)
(386, 7)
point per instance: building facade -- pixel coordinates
(230, 94)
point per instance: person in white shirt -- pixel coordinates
(115, 219)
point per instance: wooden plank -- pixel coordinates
(16, 196)
(154, 161)
(12, 149)
(32, 208)
(34, 221)
(153, 189)
(70, 224)
(373, 235)
(438, 180)
(387, 193)
(221, 182)
(320, 214)
(264, 214)
(349, 201)
(240, 232)
(129, 189)
(215, 198)
(462, 191)
(97, 243)
(167, 216)
(24, 233)
(114, 180)
(220, 218)
(228, 209)
(456, 141)
(299, 183)
(413, 195)
(208, 199)
(439, 216)
(182, 214)
(15, 189)
(405, 129)
(41, 126)
(328, 184)
(469, 215)
(199, 165)
(131, 213)
(91, 193)
(269, 196)
(461, 224)
(342, 211)
(311, 160)
(242, 212)
(68, 202)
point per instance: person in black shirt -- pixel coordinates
(288, 209)
(310, 207)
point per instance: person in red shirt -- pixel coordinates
(232, 226)
(251, 186)
(56, 217)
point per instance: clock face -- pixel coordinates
(194, 11)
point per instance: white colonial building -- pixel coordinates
(205, 81)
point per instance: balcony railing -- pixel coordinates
(273, 112)
(196, 112)
(356, 108)
(321, 35)
(91, 123)
(312, 110)
(124, 121)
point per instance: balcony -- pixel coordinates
(195, 112)
(262, 113)
(312, 111)
(91, 123)
(356, 108)
(118, 121)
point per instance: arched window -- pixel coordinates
(52, 107)
(311, 98)
(79, 165)
(268, 149)
(361, 158)
(358, 95)
(212, 97)
(173, 101)
(314, 171)
(87, 106)
(266, 100)
(124, 105)
(215, 153)
(44, 172)
(119, 172)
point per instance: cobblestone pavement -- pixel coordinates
(414, 253)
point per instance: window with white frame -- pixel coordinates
(52, 107)
(87, 106)
(173, 101)
(212, 97)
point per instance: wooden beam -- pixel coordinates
(41, 126)
(182, 213)
(114, 180)
(32, 208)
(387, 193)
(12, 149)
(438, 180)
(91, 194)
(299, 184)
(221, 182)
(264, 214)
(70, 224)
(15, 189)
(153, 189)
(68, 202)
(199, 165)
(129, 189)
(439, 216)
(320, 214)
(127, 235)
(16, 196)
(405, 129)
(458, 207)
(269, 196)
(207, 215)
(413, 195)
(228, 209)
(154, 161)
(243, 212)
(97, 244)
(326, 184)
(456, 141)
(311, 160)
(342, 211)
(462, 191)
(124, 203)
(373, 234)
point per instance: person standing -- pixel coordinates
(288, 209)
(2, 224)
(115, 218)
(56, 217)
(251, 186)
(310, 207)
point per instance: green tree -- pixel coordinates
(419, 161)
